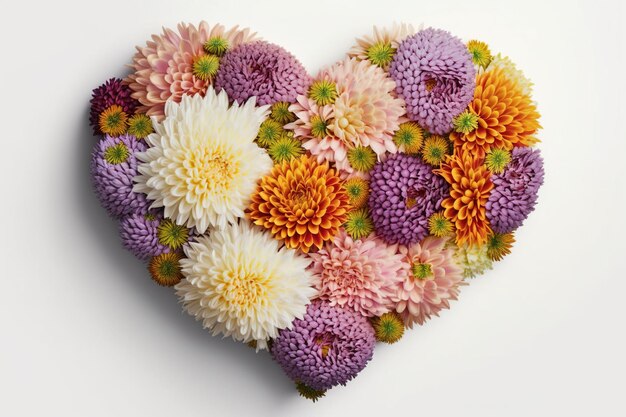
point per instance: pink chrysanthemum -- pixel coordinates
(364, 113)
(432, 281)
(361, 275)
(163, 69)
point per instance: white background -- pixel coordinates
(84, 332)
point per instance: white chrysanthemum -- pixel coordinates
(473, 260)
(511, 71)
(380, 46)
(203, 165)
(240, 285)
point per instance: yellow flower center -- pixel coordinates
(245, 290)
(209, 171)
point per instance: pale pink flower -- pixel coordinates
(362, 275)
(386, 36)
(425, 293)
(163, 69)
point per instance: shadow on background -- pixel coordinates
(161, 301)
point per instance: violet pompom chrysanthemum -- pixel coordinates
(515, 190)
(113, 167)
(264, 70)
(114, 91)
(404, 193)
(435, 75)
(327, 347)
(139, 234)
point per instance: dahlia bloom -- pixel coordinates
(239, 284)
(380, 47)
(329, 346)
(163, 69)
(301, 202)
(198, 164)
(404, 193)
(113, 167)
(434, 73)
(434, 279)
(138, 232)
(515, 190)
(365, 113)
(470, 186)
(506, 116)
(262, 70)
(360, 275)
(111, 92)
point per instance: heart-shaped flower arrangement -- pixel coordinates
(316, 216)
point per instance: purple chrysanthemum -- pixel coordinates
(113, 167)
(264, 70)
(514, 194)
(328, 346)
(140, 235)
(434, 74)
(404, 193)
(111, 92)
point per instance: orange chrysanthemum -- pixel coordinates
(301, 202)
(470, 185)
(506, 116)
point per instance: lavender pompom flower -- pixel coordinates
(404, 193)
(328, 346)
(264, 70)
(113, 167)
(139, 234)
(515, 190)
(435, 76)
(114, 91)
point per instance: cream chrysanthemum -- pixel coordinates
(198, 164)
(241, 285)
(380, 47)
(512, 72)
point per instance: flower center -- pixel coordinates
(116, 154)
(324, 342)
(209, 171)
(431, 83)
(413, 194)
(216, 46)
(205, 67)
(318, 127)
(323, 92)
(381, 53)
(421, 271)
(243, 291)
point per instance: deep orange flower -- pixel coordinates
(301, 202)
(506, 116)
(470, 185)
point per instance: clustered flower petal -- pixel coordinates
(138, 232)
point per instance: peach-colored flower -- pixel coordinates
(433, 280)
(163, 69)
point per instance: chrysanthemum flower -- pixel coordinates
(506, 116)
(361, 159)
(409, 137)
(434, 74)
(113, 167)
(205, 67)
(381, 46)
(280, 112)
(465, 122)
(269, 132)
(497, 159)
(138, 232)
(499, 245)
(323, 92)
(470, 186)
(114, 91)
(481, 55)
(358, 191)
(198, 164)
(140, 126)
(435, 150)
(358, 274)
(239, 284)
(284, 149)
(113, 121)
(262, 70)
(301, 202)
(515, 190)
(388, 328)
(164, 68)
(439, 226)
(434, 279)
(329, 346)
(359, 224)
(512, 72)
(165, 269)
(473, 260)
(404, 193)
(171, 234)
(351, 120)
